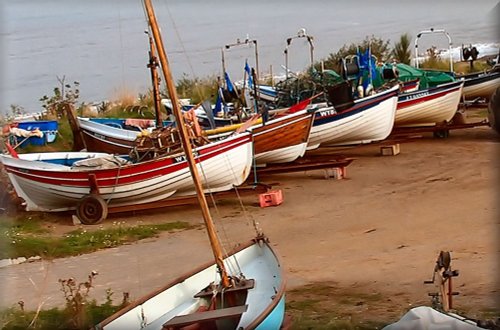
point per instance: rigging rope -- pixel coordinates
(177, 34)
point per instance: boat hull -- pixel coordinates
(481, 85)
(99, 137)
(430, 106)
(282, 140)
(265, 300)
(368, 120)
(54, 187)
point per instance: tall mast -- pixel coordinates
(214, 242)
(152, 65)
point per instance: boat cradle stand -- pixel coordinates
(92, 209)
(333, 166)
(441, 130)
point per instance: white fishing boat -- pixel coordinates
(367, 120)
(429, 106)
(481, 84)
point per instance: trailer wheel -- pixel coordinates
(441, 134)
(92, 209)
(494, 110)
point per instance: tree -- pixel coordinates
(379, 49)
(66, 94)
(402, 51)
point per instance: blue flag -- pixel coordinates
(367, 66)
(229, 84)
(218, 103)
(249, 73)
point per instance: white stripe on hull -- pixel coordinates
(428, 113)
(370, 125)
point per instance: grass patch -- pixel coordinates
(29, 238)
(56, 318)
(326, 306)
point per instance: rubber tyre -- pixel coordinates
(92, 209)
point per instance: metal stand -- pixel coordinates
(442, 300)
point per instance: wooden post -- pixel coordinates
(78, 140)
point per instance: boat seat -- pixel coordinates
(199, 317)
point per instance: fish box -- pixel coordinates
(271, 198)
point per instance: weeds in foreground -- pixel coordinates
(80, 311)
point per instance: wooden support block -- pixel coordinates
(390, 150)
(336, 173)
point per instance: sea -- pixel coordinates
(102, 44)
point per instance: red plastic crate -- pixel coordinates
(271, 198)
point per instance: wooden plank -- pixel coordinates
(316, 164)
(398, 131)
(184, 320)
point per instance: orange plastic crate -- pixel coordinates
(271, 198)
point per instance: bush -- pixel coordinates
(379, 48)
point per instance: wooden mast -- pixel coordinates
(214, 242)
(152, 65)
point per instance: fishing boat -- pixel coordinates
(481, 84)
(114, 136)
(426, 97)
(61, 181)
(37, 132)
(476, 85)
(429, 106)
(244, 289)
(280, 140)
(365, 120)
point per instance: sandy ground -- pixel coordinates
(377, 232)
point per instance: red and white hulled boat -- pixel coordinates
(59, 181)
(429, 106)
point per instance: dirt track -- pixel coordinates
(379, 231)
